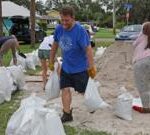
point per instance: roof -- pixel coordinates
(11, 9)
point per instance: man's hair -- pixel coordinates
(67, 10)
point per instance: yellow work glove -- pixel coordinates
(92, 71)
(51, 66)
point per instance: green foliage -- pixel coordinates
(43, 25)
(120, 25)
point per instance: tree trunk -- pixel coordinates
(32, 21)
(1, 20)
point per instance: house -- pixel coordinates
(53, 18)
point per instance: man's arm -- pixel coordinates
(91, 68)
(89, 53)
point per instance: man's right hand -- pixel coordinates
(51, 66)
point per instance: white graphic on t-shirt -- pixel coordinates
(65, 43)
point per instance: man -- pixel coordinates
(77, 57)
(6, 43)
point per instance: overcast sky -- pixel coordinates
(42, 0)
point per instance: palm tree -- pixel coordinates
(1, 27)
(32, 21)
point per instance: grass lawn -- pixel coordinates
(76, 131)
(103, 44)
(104, 33)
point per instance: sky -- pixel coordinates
(43, 1)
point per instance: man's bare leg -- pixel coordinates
(66, 99)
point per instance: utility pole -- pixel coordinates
(114, 18)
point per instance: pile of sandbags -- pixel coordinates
(32, 118)
(11, 79)
(30, 62)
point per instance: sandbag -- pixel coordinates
(99, 52)
(33, 119)
(30, 62)
(6, 84)
(18, 76)
(92, 98)
(52, 88)
(123, 106)
(20, 61)
(36, 59)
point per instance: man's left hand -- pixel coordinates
(92, 71)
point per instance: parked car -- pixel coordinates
(21, 29)
(129, 32)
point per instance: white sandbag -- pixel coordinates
(49, 123)
(20, 61)
(12, 81)
(18, 76)
(20, 121)
(100, 51)
(36, 59)
(55, 127)
(92, 99)
(33, 100)
(123, 106)
(52, 88)
(15, 122)
(33, 119)
(6, 85)
(30, 62)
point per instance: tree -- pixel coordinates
(40, 8)
(54, 4)
(32, 20)
(1, 27)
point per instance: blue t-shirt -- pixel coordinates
(73, 44)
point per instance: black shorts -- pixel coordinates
(78, 81)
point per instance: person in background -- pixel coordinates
(6, 43)
(44, 55)
(141, 60)
(92, 42)
(77, 55)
